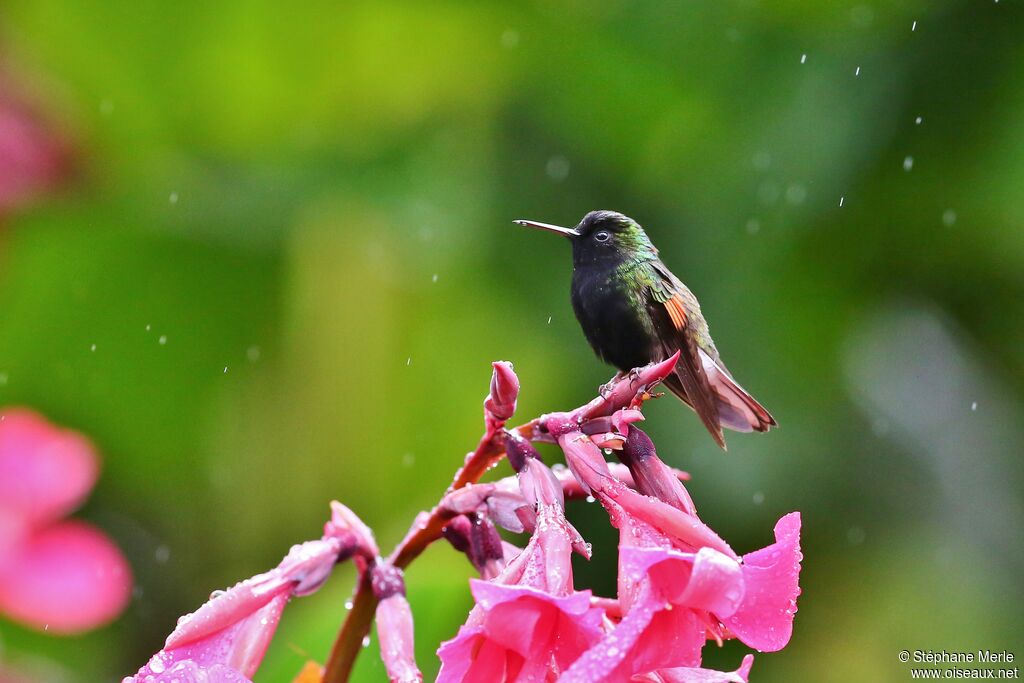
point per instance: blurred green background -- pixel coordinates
(310, 204)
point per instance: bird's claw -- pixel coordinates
(606, 388)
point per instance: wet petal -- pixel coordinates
(764, 621)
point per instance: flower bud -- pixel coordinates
(501, 402)
(518, 449)
(650, 475)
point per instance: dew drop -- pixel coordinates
(366, 641)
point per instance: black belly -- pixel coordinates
(610, 321)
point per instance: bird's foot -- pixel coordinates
(606, 389)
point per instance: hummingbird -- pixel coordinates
(634, 311)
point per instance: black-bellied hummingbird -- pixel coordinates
(634, 310)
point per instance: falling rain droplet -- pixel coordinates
(366, 641)
(974, 406)
(918, 120)
(433, 278)
(841, 200)
(803, 58)
(753, 226)
(173, 198)
(913, 26)
(549, 320)
(948, 217)
(348, 604)
(92, 348)
(856, 72)
(408, 361)
(758, 497)
(908, 163)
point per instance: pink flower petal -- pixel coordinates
(233, 651)
(648, 637)
(516, 632)
(301, 571)
(189, 672)
(68, 578)
(706, 580)
(45, 471)
(765, 619)
(395, 632)
(691, 675)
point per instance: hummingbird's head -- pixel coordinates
(603, 236)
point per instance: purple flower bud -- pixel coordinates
(650, 475)
(518, 449)
(501, 402)
(476, 536)
(386, 580)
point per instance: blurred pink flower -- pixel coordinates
(224, 640)
(63, 576)
(33, 158)
(529, 623)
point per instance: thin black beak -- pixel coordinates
(568, 232)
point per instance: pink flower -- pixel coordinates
(224, 640)
(673, 601)
(679, 582)
(64, 576)
(528, 624)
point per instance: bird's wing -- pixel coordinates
(679, 325)
(735, 408)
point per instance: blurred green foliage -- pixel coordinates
(310, 204)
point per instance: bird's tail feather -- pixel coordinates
(737, 409)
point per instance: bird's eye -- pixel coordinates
(602, 236)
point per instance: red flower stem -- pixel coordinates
(426, 530)
(360, 618)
